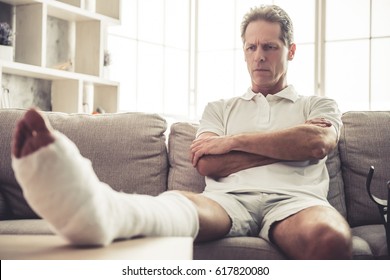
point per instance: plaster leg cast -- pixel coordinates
(62, 187)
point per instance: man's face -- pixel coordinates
(266, 56)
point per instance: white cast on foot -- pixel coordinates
(61, 186)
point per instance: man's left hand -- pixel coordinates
(210, 145)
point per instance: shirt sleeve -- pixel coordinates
(323, 107)
(212, 119)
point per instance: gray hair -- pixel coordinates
(270, 13)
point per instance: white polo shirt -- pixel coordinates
(253, 112)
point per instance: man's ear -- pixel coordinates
(291, 51)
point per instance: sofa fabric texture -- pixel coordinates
(135, 153)
(364, 143)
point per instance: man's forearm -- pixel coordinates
(302, 142)
(298, 143)
(220, 156)
(217, 166)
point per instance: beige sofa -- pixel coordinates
(136, 152)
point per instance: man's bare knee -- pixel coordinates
(326, 242)
(214, 222)
(314, 233)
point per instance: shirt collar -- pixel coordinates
(287, 93)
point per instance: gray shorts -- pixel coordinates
(253, 214)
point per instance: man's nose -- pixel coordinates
(260, 55)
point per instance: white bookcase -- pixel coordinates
(89, 20)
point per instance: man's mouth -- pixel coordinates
(261, 70)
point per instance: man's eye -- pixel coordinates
(270, 47)
(251, 48)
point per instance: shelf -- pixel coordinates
(63, 34)
(72, 13)
(68, 89)
(17, 2)
(33, 33)
(32, 71)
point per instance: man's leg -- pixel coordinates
(214, 221)
(61, 186)
(317, 232)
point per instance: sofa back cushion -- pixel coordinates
(364, 142)
(336, 194)
(183, 176)
(127, 150)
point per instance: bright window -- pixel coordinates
(150, 53)
(347, 78)
(174, 56)
(356, 55)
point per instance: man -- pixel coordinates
(268, 148)
(263, 154)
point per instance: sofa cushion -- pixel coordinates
(30, 226)
(254, 248)
(182, 175)
(336, 195)
(361, 249)
(12, 193)
(364, 142)
(237, 248)
(375, 236)
(15, 204)
(127, 151)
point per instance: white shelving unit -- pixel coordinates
(88, 43)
